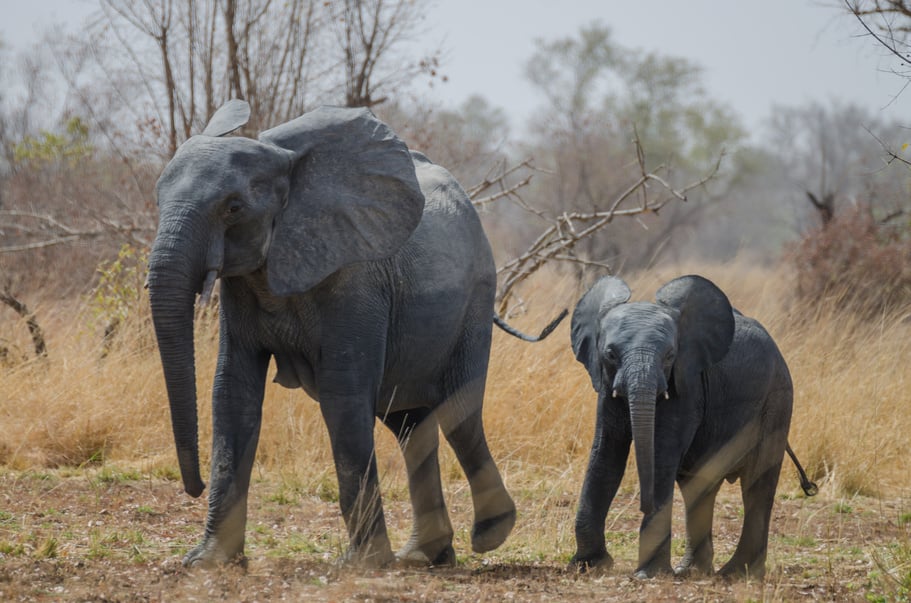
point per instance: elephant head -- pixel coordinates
(330, 188)
(640, 352)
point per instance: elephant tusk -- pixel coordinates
(667, 396)
(615, 394)
(206, 296)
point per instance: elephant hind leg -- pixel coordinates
(460, 419)
(494, 509)
(430, 543)
(459, 416)
(758, 489)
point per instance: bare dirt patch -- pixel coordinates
(112, 537)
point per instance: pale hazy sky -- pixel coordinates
(754, 53)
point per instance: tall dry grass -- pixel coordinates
(850, 427)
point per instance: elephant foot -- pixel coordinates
(204, 556)
(373, 556)
(733, 570)
(439, 555)
(653, 571)
(692, 571)
(597, 563)
(689, 567)
(488, 534)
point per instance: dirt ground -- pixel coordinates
(116, 538)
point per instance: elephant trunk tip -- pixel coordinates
(194, 487)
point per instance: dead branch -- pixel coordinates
(825, 207)
(56, 232)
(890, 6)
(502, 193)
(497, 176)
(7, 297)
(558, 240)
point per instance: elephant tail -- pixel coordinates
(516, 333)
(809, 488)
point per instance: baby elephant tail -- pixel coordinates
(809, 488)
(516, 333)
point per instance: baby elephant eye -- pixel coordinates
(233, 208)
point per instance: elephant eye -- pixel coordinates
(233, 207)
(611, 356)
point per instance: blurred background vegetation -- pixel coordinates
(87, 121)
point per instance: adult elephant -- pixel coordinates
(363, 270)
(705, 395)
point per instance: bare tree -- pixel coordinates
(833, 155)
(888, 22)
(599, 96)
(371, 35)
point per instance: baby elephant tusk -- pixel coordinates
(667, 396)
(615, 394)
(209, 284)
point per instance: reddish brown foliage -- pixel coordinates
(859, 264)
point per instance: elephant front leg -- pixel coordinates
(236, 416)
(350, 423)
(606, 465)
(655, 530)
(699, 498)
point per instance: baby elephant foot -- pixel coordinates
(488, 534)
(653, 571)
(689, 566)
(596, 563)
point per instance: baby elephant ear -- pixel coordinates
(705, 326)
(353, 196)
(230, 116)
(604, 295)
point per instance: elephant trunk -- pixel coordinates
(642, 419)
(641, 399)
(175, 276)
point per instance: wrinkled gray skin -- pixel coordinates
(704, 395)
(364, 271)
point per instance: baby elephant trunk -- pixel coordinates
(642, 417)
(640, 381)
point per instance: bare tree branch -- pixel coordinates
(558, 240)
(34, 329)
(58, 233)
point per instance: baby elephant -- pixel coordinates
(705, 395)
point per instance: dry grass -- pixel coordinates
(106, 419)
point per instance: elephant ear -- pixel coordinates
(230, 116)
(353, 196)
(705, 326)
(605, 294)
